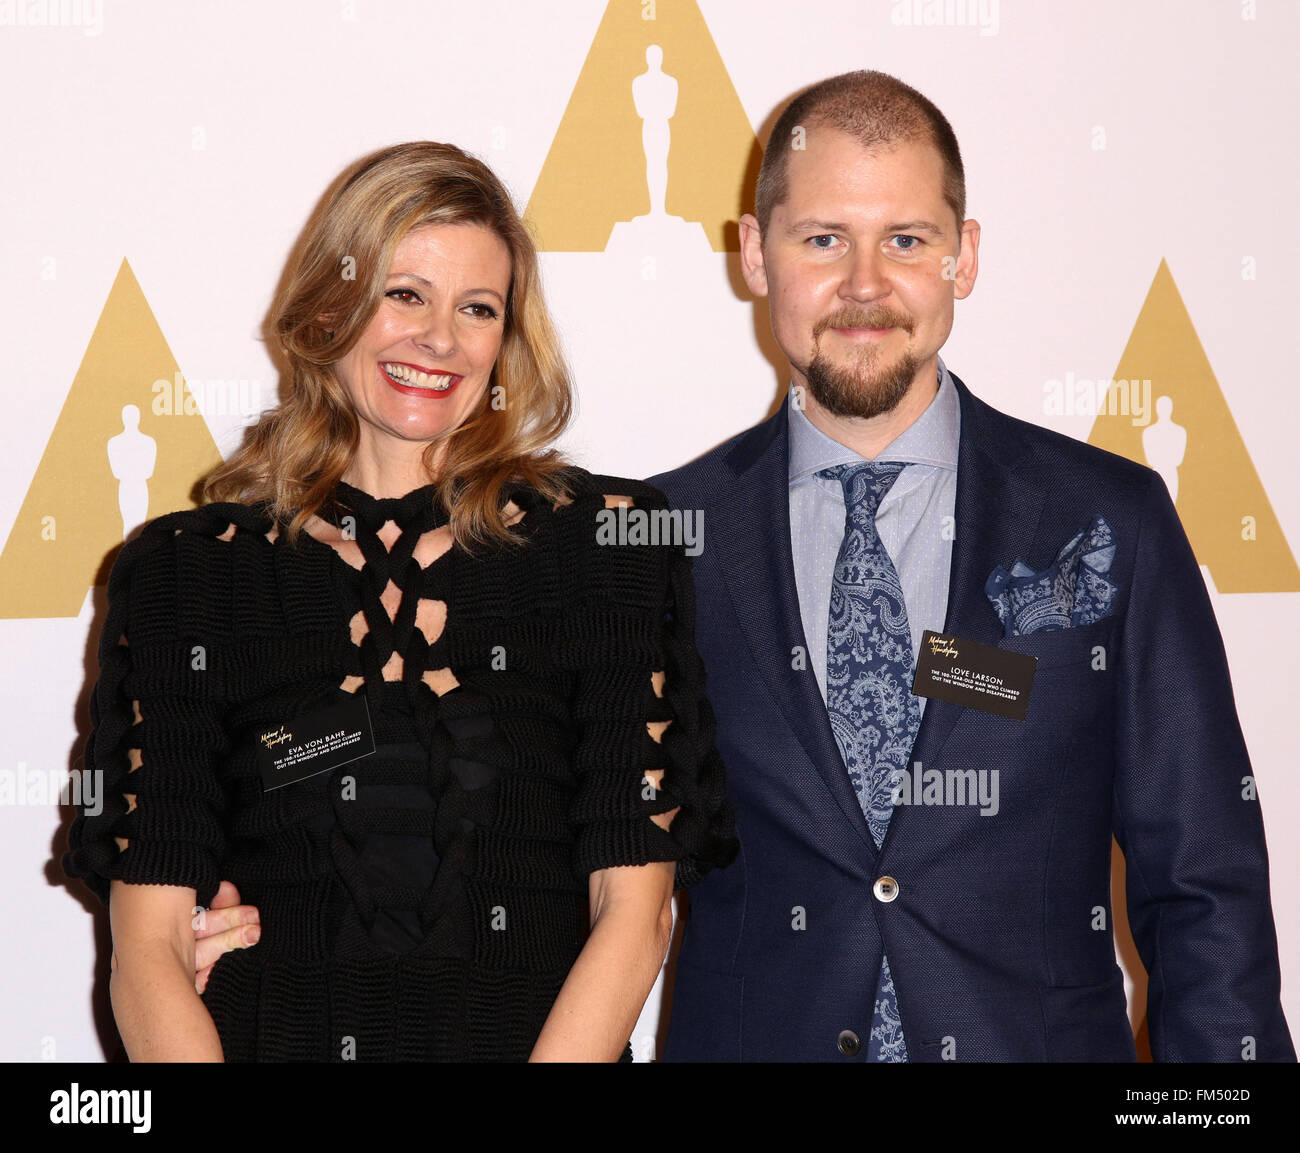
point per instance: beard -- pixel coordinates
(864, 387)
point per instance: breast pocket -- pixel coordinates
(1073, 674)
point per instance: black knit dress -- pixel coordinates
(427, 901)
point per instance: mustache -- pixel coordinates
(879, 316)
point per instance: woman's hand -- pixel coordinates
(224, 926)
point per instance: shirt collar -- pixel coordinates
(932, 439)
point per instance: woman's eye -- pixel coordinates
(405, 295)
(482, 311)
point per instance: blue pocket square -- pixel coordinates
(1070, 592)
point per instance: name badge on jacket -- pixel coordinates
(973, 675)
(315, 742)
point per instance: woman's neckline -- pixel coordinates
(401, 509)
(421, 502)
(353, 490)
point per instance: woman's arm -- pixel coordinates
(598, 1007)
(631, 924)
(158, 1012)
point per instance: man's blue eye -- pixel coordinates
(824, 236)
(913, 242)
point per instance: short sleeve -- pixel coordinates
(634, 616)
(155, 705)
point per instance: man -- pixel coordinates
(874, 912)
(919, 879)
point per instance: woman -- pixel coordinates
(396, 557)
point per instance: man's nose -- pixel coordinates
(864, 275)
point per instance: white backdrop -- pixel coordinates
(1100, 137)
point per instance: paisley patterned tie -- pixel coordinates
(873, 713)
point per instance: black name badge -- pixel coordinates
(973, 675)
(315, 742)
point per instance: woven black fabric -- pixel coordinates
(426, 902)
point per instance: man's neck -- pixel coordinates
(871, 436)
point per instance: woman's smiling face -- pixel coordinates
(424, 360)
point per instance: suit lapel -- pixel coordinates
(755, 554)
(997, 514)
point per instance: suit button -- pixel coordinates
(885, 889)
(848, 1043)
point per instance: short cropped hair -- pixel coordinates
(877, 110)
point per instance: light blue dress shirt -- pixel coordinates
(915, 520)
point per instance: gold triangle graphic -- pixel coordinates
(595, 173)
(71, 523)
(1223, 506)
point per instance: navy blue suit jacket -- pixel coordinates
(995, 941)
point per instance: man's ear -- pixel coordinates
(968, 260)
(751, 255)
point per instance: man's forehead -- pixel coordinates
(835, 167)
(827, 149)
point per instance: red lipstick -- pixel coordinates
(414, 389)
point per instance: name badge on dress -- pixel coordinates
(315, 742)
(973, 675)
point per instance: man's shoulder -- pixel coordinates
(1053, 456)
(703, 479)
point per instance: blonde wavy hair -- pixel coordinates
(331, 288)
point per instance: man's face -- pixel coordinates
(861, 263)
